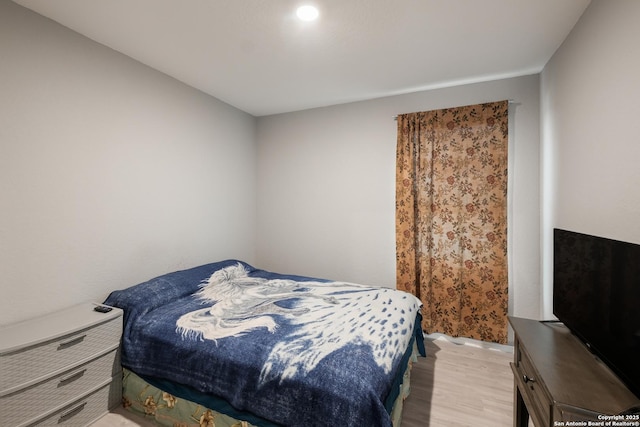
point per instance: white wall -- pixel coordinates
(591, 128)
(326, 186)
(110, 172)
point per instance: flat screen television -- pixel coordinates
(596, 294)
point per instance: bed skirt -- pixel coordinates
(165, 409)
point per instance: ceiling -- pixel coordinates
(257, 56)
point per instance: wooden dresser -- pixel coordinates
(62, 369)
(557, 380)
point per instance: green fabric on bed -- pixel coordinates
(165, 409)
(148, 401)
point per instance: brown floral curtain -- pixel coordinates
(451, 218)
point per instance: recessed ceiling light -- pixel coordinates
(307, 13)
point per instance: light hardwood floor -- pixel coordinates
(460, 386)
(454, 386)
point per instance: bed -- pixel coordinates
(227, 344)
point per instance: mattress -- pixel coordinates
(171, 410)
(283, 349)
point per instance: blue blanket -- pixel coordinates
(292, 350)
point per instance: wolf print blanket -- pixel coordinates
(292, 350)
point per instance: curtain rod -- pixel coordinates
(510, 101)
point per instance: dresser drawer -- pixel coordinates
(83, 411)
(532, 390)
(27, 366)
(60, 389)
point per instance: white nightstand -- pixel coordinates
(62, 369)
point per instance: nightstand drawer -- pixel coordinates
(83, 411)
(24, 367)
(59, 390)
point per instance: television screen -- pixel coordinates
(596, 294)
